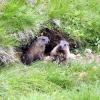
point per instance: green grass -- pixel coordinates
(16, 16)
(78, 18)
(46, 80)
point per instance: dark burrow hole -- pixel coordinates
(55, 35)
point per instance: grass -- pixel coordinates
(78, 18)
(46, 80)
(16, 16)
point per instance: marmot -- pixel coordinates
(35, 51)
(60, 51)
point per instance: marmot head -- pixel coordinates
(43, 39)
(63, 45)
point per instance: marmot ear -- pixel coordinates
(35, 37)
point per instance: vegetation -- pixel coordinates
(79, 18)
(46, 80)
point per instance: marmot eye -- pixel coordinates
(43, 39)
(64, 44)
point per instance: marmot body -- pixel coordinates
(35, 51)
(60, 51)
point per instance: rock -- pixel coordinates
(88, 51)
(57, 22)
(48, 58)
(97, 58)
(89, 55)
(7, 55)
(72, 56)
(25, 36)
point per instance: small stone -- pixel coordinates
(83, 74)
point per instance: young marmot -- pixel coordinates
(60, 51)
(35, 51)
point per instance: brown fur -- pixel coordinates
(59, 52)
(35, 51)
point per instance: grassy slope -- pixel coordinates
(17, 15)
(80, 18)
(43, 80)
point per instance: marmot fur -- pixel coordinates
(35, 51)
